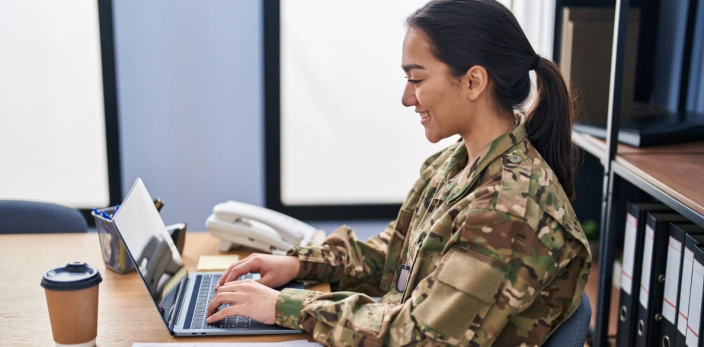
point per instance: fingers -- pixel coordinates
(268, 279)
(225, 295)
(275, 270)
(238, 269)
(247, 298)
(222, 314)
(236, 295)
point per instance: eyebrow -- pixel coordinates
(410, 67)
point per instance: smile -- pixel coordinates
(424, 115)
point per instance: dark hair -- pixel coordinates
(465, 33)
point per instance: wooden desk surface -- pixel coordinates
(126, 314)
(677, 174)
(674, 168)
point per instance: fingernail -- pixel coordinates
(208, 319)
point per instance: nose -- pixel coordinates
(409, 96)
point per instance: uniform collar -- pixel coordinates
(486, 156)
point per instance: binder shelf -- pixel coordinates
(670, 174)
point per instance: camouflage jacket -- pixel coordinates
(502, 259)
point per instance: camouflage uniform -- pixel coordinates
(502, 259)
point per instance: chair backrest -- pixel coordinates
(573, 332)
(32, 217)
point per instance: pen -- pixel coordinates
(159, 204)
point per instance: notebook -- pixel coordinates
(180, 298)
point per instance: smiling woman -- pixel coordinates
(486, 248)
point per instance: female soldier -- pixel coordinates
(486, 248)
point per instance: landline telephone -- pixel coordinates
(241, 224)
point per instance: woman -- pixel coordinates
(486, 248)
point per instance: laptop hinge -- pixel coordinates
(177, 310)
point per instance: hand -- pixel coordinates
(275, 270)
(247, 298)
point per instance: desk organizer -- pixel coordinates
(114, 252)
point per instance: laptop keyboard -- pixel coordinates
(206, 291)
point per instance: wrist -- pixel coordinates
(294, 265)
(295, 253)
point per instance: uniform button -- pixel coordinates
(515, 158)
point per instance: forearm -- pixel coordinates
(356, 316)
(351, 319)
(343, 259)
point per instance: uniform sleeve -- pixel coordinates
(345, 260)
(493, 268)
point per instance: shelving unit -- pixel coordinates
(665, 173)
(671, 174)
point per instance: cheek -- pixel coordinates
(430, 99)
(425, 97)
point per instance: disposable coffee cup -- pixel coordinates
(72, 298)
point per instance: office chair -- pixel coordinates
(573, 332)
(32, 217)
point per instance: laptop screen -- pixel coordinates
(151, 248)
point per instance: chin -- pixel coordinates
(432, 137)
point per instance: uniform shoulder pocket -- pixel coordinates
(516, 171)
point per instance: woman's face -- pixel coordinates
(438, 97)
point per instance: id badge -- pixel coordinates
(402, 279)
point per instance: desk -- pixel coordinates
(670, 173)
(126, 313)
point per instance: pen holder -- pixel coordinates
(114, 252)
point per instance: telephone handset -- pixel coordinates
(237, 223)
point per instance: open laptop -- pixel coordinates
(181, 298)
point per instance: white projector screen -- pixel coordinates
(345, 137)
(52, 117)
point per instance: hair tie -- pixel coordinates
(535, 62)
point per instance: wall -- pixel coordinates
(190, 102)
(190, 98)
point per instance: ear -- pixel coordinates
(477, 82)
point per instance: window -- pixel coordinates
(54, 94)
(339, 143)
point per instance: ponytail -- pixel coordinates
(549, 124)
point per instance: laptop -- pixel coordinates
(181, 298)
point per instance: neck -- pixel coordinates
(487, 129)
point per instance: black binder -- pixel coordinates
(691, 244)
(652, 278)
(694, 324)
(632, 257)
(673, 279)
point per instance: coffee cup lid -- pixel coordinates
(73, 276)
